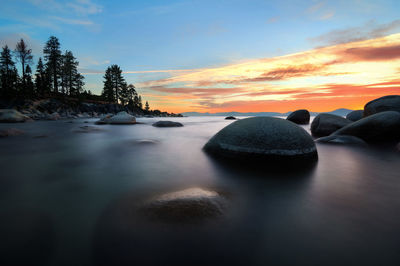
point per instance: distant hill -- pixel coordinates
(341, 112)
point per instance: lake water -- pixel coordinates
(65, 197)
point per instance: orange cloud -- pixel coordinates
(343, 75)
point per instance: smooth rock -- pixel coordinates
(386, 103)
(120, 118)
(167, 124)
(380, 127)
(88, 129)
(12, 116)
(189, 205)
(266, 139)
(325, 124)
(301, 117)
(11, 132)
(342, 139)
(355, 115)
(230, 118)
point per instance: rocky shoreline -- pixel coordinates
(56, 109)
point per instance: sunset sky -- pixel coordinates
(217, 56)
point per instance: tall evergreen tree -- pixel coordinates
(52, 56)
(70, 77)
(29, 87)
(147, 106)
(24, 56)
(8, 74)
(41, 79)
(114, 82)
(123, 95)
(140, 104)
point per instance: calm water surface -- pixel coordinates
(65, 200)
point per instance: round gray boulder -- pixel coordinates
(188, 205)
(380, 127)
(386, 103)
(167, 124)
(12, 116)
(325, 124)
(121, 118)
(342, 139)
(267, 139)
(301, 117)
(355, 115)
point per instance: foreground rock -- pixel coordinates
(326, 124)
(9, 132)
(386, 103)
(342, 139)
(266, 139)
(230, 118)
(380, 127)
(301, 117)
(190, 205)
(355, 115)
(88, 129)
(121, 118)
(167, 124)
(12, 116)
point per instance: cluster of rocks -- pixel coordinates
(55, 109)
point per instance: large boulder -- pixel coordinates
(190, 205)
(342, 139)
(167, 124)
(380, 127)
(121, 118)
(12, 116)
(355, 115)
(301, 117)
(386, 103)
(267, 139)
(325, 124)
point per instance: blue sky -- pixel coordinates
(174, 35)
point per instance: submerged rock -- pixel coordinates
(88, 129)
(12, 116)
(386, 103)
(10, 132)
(326, 124)
(121, 118)
(267, 139)
(301, 117)
(167, 124)
(380, 127)
(230, 118)
(342, 139)
(188, 205)
(355, 115)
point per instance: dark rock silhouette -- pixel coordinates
(386, 103)
(301, 117)
(230, 118)
(355, 115)
(167, 124)
(342, 139)
(325, 124)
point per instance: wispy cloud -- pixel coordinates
(73, 21)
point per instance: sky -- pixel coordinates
(221, 56)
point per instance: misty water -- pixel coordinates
(65, 199)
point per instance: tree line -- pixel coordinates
(57, 75)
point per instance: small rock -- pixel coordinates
(12, 116)
(167, 124)
(355, 115)
(121, 118)
(301, 117)
(88, 129)
(325, 124)
(230, 118)
(11, 132)
(342, 139)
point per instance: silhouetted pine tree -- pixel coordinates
(147, 106)
(29, 87)
(42, 86)
(114, 82)
(52, 56)
(24, 56)
(8, 74)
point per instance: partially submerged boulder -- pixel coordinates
(10, 132)
(355, 115)
(380, 127)
(121, 118)
(185, 206)
(12, 116)
(301, 117)
(88, 129)
(266, 139)
(167, 124)
(325, 124)
(386, 103)
(342, 139)
(230, 118)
